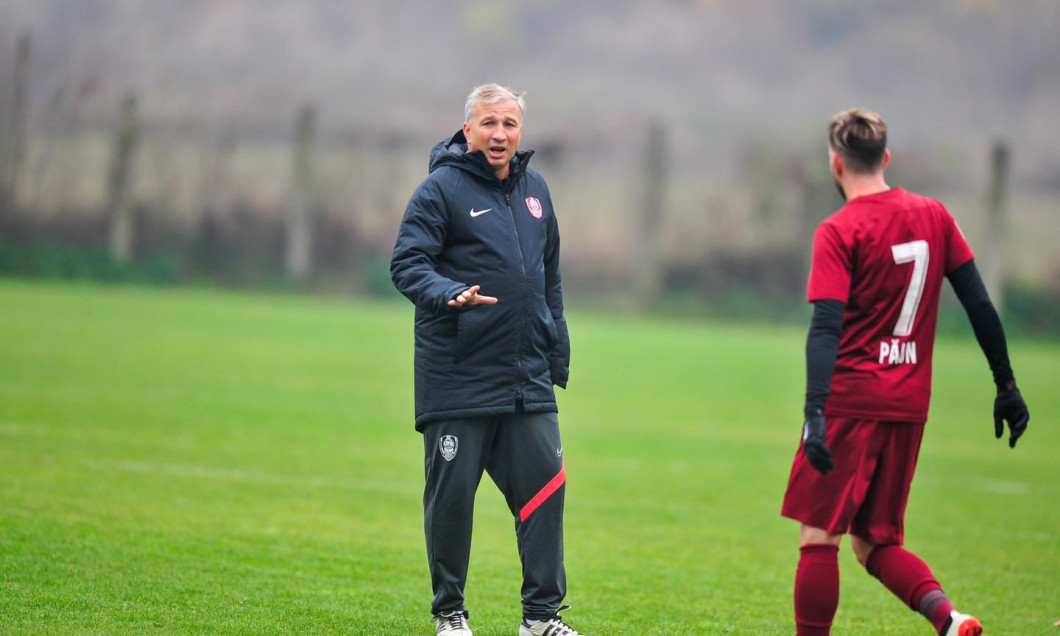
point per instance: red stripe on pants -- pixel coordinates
(550, 488)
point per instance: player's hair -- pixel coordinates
(859, 136)
(491, 94)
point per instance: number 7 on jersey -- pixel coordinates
(917, 252)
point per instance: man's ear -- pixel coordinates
(837, 164)
(886, 158)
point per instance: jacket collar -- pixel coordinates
(453, 152)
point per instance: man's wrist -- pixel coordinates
(811, 410)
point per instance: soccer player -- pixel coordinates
(877, 270)
(478, 254)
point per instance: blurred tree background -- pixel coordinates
(274, 143)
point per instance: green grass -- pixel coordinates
(203, 462)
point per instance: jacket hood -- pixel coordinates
(453, 152)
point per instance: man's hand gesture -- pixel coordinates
(813, 443)
(470, 296)
(1009, 406)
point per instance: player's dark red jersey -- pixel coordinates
(885, 256)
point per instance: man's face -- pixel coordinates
(495, 130)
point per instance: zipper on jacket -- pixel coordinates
(522, 326)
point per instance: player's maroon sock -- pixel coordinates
(816, 589)
(910, 579)
(936, 608)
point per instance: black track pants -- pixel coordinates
(523, 455)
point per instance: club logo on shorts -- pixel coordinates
(447, 447)
(534, 206)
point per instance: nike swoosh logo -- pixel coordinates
(475, 212)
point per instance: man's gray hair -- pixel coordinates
(491, 94)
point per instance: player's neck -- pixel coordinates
(863, 186)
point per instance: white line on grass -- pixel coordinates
(1005, 486)
(193, 471)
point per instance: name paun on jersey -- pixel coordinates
(895, 351)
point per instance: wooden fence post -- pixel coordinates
(651, 215)
(119, 208)
(13, 150)
(299, 232)
(993, 253)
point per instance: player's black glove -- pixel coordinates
(1009, 406)
(813, 443)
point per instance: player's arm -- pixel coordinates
(1008, 405)
(822, 348)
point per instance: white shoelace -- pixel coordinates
(562, 629)
(557, 627)
(451, 622)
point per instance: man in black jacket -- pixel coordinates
(478, 255)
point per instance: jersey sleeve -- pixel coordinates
(830, 270)
(958, 252)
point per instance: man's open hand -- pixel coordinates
(470, 296)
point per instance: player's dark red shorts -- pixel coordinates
(866, 493)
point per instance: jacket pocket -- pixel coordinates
(435, 342)
(472, 325)
(551, 331)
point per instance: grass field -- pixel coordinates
(203, 462)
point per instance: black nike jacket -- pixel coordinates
(465, 227)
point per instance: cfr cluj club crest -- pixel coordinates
(534, 206)
(447, 447)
